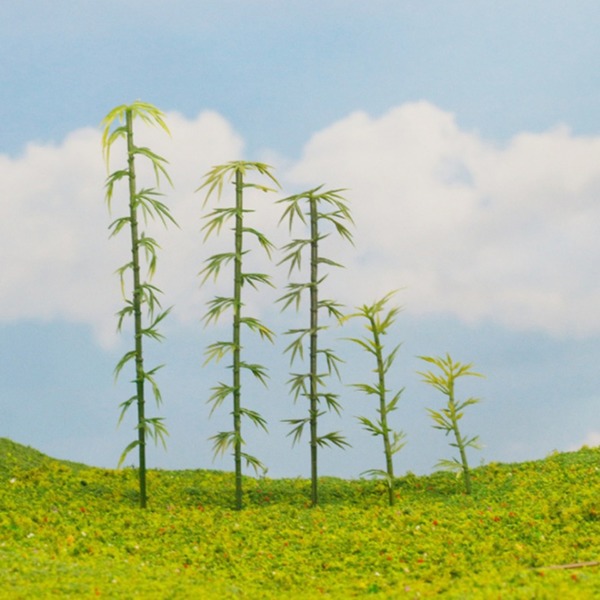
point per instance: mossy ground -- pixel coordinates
(67, 530)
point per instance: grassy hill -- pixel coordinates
(530, 530)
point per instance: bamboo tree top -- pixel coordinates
(340, 211)
(451, 370)
(138, 109)
(219, 174)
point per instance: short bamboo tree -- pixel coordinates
(377, 324)
(235, 172)
(143, 297)
(314, 208)
(447, 419)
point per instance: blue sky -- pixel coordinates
(466, 133)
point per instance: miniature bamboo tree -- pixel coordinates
(377, 324)
(447, 419)
(313, 208)
(143, 295)
(235, 172)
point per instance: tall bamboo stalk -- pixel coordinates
(137, 309)
(237, 315)
(310, 385)
(314, 328)
(233, 439)
(143, 293)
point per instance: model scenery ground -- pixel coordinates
(529, 530)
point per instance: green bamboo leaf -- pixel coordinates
(331, 400)
(158, 163)
(331, 361)
(333, 438)
(125, 405)
(127, 357)
(392, 404)
(297, 429)
(256, 326)
(254, 417)
(332, 308)
(152, 208)
(156, 429)
(292, 211)
(149, 377)
(258, 371)
(113, 178)
(126, 311)
(294, 295)
(327, 261)
(262, 239)
(218, 306)
(215, 263)
(398, 441)
(127, 450)
(296, 347)
(376, 474)
(370, 426)
(450, 465)
(366, 388)
(298, 385)
(473, 443)
(256, 278)
(219, 394)
(222, 441)
(252, 461)
(118, 224)
(216, 219)
(365, 344)
(389, 359)
(218, 350)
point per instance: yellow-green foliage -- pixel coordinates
(72, 531)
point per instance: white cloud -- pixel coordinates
(56, 258)
(466, 227)
(480, 231)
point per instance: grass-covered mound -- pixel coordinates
(67, 530)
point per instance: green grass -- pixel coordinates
(67, 530)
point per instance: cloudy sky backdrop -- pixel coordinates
(468, 139)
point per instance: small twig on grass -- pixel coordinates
(580, 565)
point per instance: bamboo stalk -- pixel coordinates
(137, 310)
(314, 323)
(237, 307)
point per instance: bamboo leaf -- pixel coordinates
(218, 306)
(127, 450)
(262, 239)
(156, 429)
(298, 384)
(370, 426)
(256, 278)
(258, 371)
(124, 406)
(252, 461)
(128, 356)
(398, 441)
(219, 393)
(255, 417)
(256, 326)
(331, 400)
(333, 438)
(222, 441)
(215, 263)
(218, 350)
